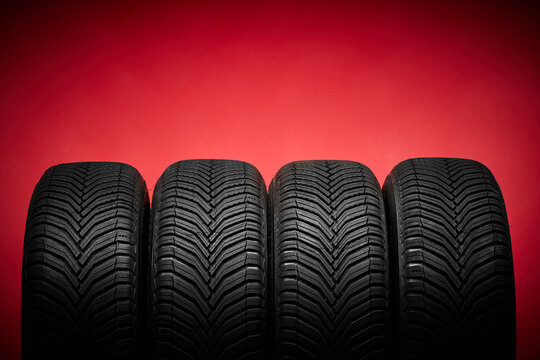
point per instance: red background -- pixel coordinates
(270, 83)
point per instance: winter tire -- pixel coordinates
(329, 261)
(208, 261)
(453, 280)
(84, 244)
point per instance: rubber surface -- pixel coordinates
(208, 266)
(453, 275)
(329, 262)
(83, 249)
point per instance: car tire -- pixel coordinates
(208, 266)
(453, 283)
(83, 258)
(329, 261)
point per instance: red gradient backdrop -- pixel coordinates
(270, 83)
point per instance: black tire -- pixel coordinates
(82, 284)
(453, 279)
(330, 257)
(208, 261)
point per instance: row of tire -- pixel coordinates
(323, 266)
